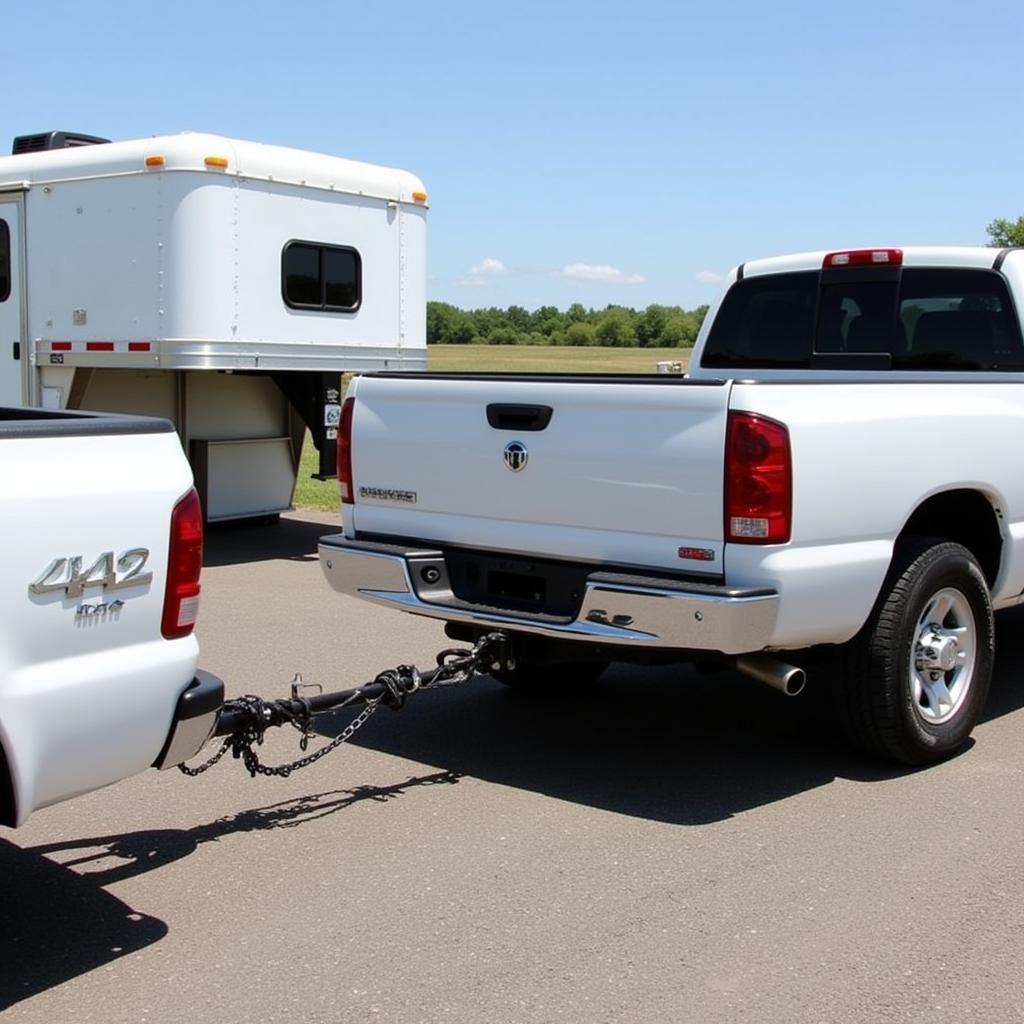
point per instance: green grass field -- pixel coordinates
(323, 494)
(550, 358)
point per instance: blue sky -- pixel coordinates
(591, 152)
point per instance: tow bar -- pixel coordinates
(244, 720)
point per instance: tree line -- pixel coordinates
(616, 326)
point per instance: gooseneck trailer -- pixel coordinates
(221, 284)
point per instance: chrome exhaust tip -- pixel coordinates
(787, 679)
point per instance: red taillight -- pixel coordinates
(864, 258)
(758, 480)
(345, 484)
(184, 564)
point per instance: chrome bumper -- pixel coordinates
(194, 719)
(631, 611)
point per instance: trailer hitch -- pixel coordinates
(244, 721)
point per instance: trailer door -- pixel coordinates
(13, 353)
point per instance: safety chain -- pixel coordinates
(454, 667)
(241, 743)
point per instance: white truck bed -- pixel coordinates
(89, 683)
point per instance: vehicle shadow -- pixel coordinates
(293, 539)
(1007, 693)
(666, 744)
(59, 924)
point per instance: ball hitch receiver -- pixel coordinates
(243, 721)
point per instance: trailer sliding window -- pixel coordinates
(5, 261)
(321, 277)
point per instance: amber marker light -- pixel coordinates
(155, 161)
(420, 197)
(216, 161)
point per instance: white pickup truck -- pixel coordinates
(102, 556)
(838, 474)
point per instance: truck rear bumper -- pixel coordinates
(616, 608)
(194, 719)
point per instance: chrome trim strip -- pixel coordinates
(242, 355)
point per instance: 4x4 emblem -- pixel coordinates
(516, 456)
(65, 574)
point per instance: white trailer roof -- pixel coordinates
(190, 151)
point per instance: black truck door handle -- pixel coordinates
(519, 417)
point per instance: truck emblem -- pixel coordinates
(516, 456)
(388, 494)
(65, 574)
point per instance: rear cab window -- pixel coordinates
(908, 318)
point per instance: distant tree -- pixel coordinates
(682, 328)
(440, 317)
(579, 333)
(650, 324)
(487, 320)
(615, 327)
(519, 318)
(576, 313)
(679, 331)
(547, 320)
(1002, 232)
(449, 325)
(463, 328)
(504, 336)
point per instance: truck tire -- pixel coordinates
(536, 677)
(915, 679)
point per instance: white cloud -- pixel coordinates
(482, 273)
(603, 272)
(488, 265)
(708, 277)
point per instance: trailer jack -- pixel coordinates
(244, 721)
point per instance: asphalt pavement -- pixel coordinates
(667, 847)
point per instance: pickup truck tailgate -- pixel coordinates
(88, 684)
(628, 472)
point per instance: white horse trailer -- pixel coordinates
(224, 285)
